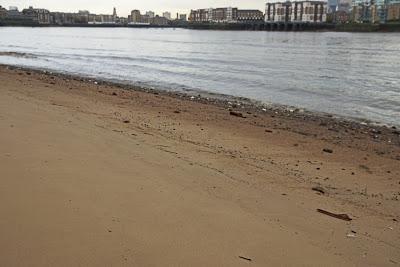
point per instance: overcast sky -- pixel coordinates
(125, 6)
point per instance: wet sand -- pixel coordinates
(93, 174)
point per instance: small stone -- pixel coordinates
(328, 150)
(237, 114)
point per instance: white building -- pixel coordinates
(167, 15)
(151, 14)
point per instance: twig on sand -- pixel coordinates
(343, 217)
(244, 258)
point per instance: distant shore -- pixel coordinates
(251, 26)
(95, 173)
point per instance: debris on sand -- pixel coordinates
(319, 189)
(343, 217)
(126, 121)
(351, 235)
(244, 258)
(327, 150)
(237, 114)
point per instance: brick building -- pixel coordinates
(299, 11)
(225, 15)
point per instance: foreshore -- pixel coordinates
(96, 173)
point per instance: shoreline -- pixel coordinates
(94, 174)
(243, 105)
(329, 27)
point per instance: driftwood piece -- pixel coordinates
(244, 258)
(343, 217)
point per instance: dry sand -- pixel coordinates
(94, 175)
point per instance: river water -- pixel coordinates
(349, 74)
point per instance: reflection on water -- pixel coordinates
(350, 74)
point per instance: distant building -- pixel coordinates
(363, 14)
(135, 17)
(340, 17)
(101, 19)
(167, 15)
(15, 17)
(13, 13)
(299, 11)
(150, 14)
(146, 19)
(159, 21)
(344, 5)
(122, 21)
(362, 11)
(393, 12)
(61, 18)
(3, 12)
(225, 15)
(332, 6)
(183, 17)
(249, 15)
(38, 15)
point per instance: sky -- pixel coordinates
(125, 6)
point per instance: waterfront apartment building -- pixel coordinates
(14, 15)
(61, 18)
(135, 16)
(167, 15)
(298, 11)
(38, 15)
(150, 14)
(339, 17)
(159, 21)
(249, 15)
(225, 15)
(101, 19)
(3, 12)
(376, 11)
(393, 13)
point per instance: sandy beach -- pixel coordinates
(92, 174)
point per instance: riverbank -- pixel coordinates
(95, 174)
(250, 26)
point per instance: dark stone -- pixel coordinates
(237, 114)
(327, 150)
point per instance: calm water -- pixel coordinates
(350, 74)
